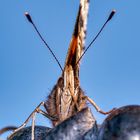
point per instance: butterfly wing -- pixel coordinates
(78, 38)
(71, 96)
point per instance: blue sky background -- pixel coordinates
(110, 71)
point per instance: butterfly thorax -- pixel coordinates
(65, 97)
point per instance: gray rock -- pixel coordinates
(92, 134)
(74, 128)
(122, 124)
(25, 133)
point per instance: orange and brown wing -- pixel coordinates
(78, 38)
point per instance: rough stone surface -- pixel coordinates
(25, 133)
(122, 124)
(92, 134)
(73, 128)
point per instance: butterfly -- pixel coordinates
(67, 97)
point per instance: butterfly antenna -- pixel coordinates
(31, 21)
(109, 18)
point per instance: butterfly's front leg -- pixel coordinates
(36, 110)
(97, 107)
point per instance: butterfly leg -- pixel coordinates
(97, 107)
(74, 98)
(33, 126)
(7, 128)
(36, 110)
(75, 102)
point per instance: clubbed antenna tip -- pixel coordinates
(109, 18)
(28, 17)
(111, 14)
(31, 21)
